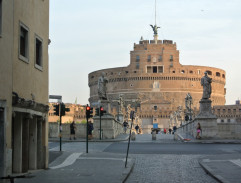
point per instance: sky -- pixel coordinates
(92, 35)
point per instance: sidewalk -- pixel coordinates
(121, 137)
(84, 167)
(190, 139)
(225, 168)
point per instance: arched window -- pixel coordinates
(218, 74)
(223, 75)
(191, 72)
(209, 72)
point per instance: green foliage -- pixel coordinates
(83, 122)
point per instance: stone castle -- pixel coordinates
(156, 84)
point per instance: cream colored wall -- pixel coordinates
(26, 78)
(6, 52)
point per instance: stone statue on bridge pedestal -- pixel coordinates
(205, 117)
(102, 81)
(206, 83)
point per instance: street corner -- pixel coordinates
(224, 168)
(128, 169)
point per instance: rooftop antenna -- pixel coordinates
(154, 28)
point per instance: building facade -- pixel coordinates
(24, 39)
(77, 113)
(228, 113)
(156, 84)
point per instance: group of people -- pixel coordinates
(126, 125)
(73, 130)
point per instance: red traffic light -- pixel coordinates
(87, 108)
(102, 109)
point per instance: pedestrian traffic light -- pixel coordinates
(102, 111)
(63, 109)
(186, 118)
(56, 110)
(97, 111)
(89, 112)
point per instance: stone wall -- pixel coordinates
(224, 131)
(111, 129)
(54, 130)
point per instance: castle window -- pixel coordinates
(191, 72)
(218, 74)
(155, 108)
(154, 69)
(160, 69)
(23, 42)
(148, 58)
(209, 72)
(223, 75)
(198, 71)
(148, 69)
(182, 71)
(137, 58)
(160, 58)
(38, 53)
(222, 120)
(171, 58)
(173, 71)
(234, 111)
(137, 65)
(126, 72)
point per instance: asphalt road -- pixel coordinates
(158, 148)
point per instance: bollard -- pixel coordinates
(175, 136)
(153, 135)
(133, 136)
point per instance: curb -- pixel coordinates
(128, 171)
(209, 172)
(179, 136)
(92, 140)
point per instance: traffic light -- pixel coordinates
(89, 112)
(56, 110)
(64, 109)
(97, 111)
(102, 111)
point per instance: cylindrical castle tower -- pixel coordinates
(157, 80)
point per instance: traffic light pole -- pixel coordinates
(100, 124)
(132, 118)
(87, 140)
(60, 130)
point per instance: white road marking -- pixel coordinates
(236, 162)
(68, 161)
(118, 159)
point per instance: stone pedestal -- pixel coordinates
(107, 127)
(207, 120)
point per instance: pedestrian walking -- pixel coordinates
(125, 126)
(72, 130)
(137, 129)
(199, 130)
(90, 129)
(174, 129)
(170, 131)
(165, 131)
